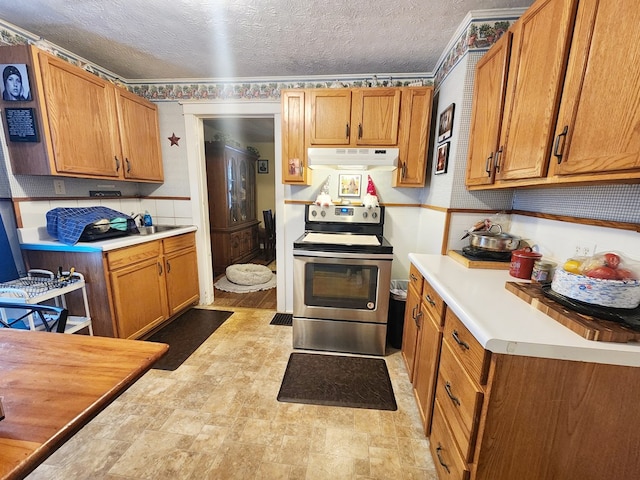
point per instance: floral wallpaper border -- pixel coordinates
(479, 35)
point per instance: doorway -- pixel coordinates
(194, 115)
(255, 136)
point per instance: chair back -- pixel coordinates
(8, 270)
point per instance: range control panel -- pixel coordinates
(345, 214)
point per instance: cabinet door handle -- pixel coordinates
(416, 316)
(347, 131)
(359, 130)
(117, 164)
(487, 166)
(498, 153)
(168, 266)
(444, 465)
(453, 398)
(430, 300)
(159, 268)
(455, 336)
(557, 152)
(128, 165)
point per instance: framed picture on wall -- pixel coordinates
(443, 158)
(263, 166)
(349, 185)
(446, 123)
(15, 83)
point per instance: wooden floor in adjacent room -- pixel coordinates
(264, 299)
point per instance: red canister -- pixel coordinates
(522, 262)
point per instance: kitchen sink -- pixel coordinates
(156, 229)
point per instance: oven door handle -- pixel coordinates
(362, 256)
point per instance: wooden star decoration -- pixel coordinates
(173, 139)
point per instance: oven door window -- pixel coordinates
(342, 286)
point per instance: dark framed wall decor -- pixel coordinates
(263, 166)
(445, 126)
(443, 158)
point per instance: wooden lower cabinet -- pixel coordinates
(504, 417)
(134, 289)
(138, 288)
(412, 319)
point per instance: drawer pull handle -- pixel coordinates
(455, 336)
(444, 465)
(413, 277)
(454, 399)
(430, 300)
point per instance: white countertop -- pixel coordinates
(39, 239)
(504, 323)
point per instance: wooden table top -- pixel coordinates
(53, 384)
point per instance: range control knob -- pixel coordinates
(323, 213)
(365, 214)
(313, 213)
(374, 215)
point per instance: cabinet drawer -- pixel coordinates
(460, 399)
(415, 278)
(179, 242)
(467, 349)
(126, 256)
(433, 303)
(446, 457)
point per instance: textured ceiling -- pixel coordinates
(162, 39)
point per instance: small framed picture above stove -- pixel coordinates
(349, 185)
(263, 166)
(446, 123)
(443, 158)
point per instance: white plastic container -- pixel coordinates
(597, 291)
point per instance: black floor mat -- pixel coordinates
(341, 381)
(282, 319)
(185, 334)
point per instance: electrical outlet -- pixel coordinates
(58, 186)
(585, 249)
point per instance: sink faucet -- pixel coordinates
(137, 219)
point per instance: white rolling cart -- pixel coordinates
(41, 286)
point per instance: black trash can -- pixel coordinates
(395, 319)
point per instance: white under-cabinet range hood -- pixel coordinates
(375, 158)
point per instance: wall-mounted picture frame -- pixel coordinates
(263, 166)
(349, 185)
(442, 159)
(15, 83)
(446, 123)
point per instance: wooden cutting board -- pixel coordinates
(486, 264)
(589, 327)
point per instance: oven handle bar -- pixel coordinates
(362, 256)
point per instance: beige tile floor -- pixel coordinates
(217, 417)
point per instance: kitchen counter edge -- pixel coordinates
(506, 324)
(33, 239)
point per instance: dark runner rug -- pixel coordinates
(282, 319)
(339, 381)
(185, 334)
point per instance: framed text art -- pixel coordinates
(349, 185)
(446, 123)
(443, 158)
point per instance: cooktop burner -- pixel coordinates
(473, 253)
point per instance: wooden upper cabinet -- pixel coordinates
(86, 126)
(599, 109)
(539, 52)
(414, 126)
(353, 117)
(138, 121)
(375, 116)
(294, 153)
(81, 111)
(329, 116)
(486, 117)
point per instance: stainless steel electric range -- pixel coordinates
(342, 275)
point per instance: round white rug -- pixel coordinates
(225, 285)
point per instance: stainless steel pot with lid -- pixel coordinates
(494, 241)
